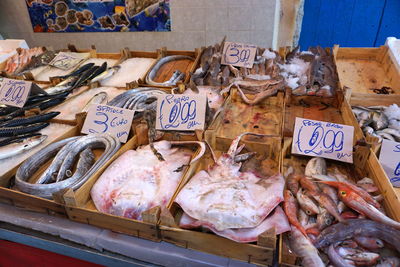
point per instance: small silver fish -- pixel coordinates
(99, 98)
(19, 147)
(106, 74)
(315, 166)
(379, 121)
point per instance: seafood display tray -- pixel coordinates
(365, 163)
(237, 117)
(80, 207)
(30, 202)
(260, 252)
(168, 69)
(363, 69)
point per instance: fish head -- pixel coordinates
(36, 139)
(116, 68)
(287, 194)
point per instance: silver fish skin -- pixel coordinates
(153, 72)
(393, 132)
(324, 219)
(379, 121)
(336, 259)
(368, 130)
(303, 247)
(106, 74)
(19, 147)
(306, 204)
(385, 135)
(315, 166)
(99, 98)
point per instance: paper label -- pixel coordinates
(181, 112)
(107, 119)
(68, 60)
(390, 160)
(323, 139)
(240, 55)
(14, 92)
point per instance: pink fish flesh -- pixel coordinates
(223, 197)
(277, 219)
(138, 181)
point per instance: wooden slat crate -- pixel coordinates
(262, 251)
(363, 69)
(365, 162)
(237, 117)
(80, 206)
(10, 195)
(166, 71)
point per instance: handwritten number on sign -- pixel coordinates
(15, 91)
(104, 123)
(183, 112)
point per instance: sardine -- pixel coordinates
(340, 232)
(379, 121)
(306, 203)
(385, 135)
(393, 132)
(99, 98)
(304, 249)
(153, 72)
(19, 147)
(106, 74)
(315, 166)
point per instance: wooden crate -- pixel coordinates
(363, 69)
(80, 206)
(365, 163)
(237, 117)
(11, 195)
(260, 253)
(167, 70)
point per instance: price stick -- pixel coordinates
(107, 119)
(323, 139)
(14, 92)
(390, 160)
(240, 55)
(181, 112)
(68, 60)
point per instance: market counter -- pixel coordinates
(96, 245)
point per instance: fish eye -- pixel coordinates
(328, 221)
(343, 193)
(308, 212)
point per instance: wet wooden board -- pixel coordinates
(363, 69)
(166, 70)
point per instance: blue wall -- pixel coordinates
(352, 23)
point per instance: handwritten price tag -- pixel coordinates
(181, 112)
(390, 160)
(107, 119)
(323, 139)
(66, 61)
(14, 92)
(240, 55)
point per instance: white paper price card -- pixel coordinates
(107, 119)
(68, 60)
(323, 139)
(390, 160)
(240, 55)
(181, 112)
(14, 92)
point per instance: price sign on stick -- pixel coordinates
(323, 139)
(240, 55)
(107, 119)
(68, 60)
(14, 92)
(181, 112)
(390, 160)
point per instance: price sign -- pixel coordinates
(107, 119)
(390, 160)
(240, 55)
(14, 92)
(181, 112)
(323, 139)
(68, 60)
